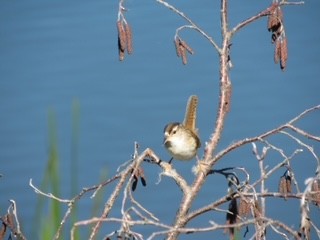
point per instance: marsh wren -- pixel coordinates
(181, 139)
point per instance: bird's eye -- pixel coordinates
(174, 131)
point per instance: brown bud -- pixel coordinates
(128, 33)
(283, 53)
(122, 39)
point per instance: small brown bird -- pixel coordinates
(181, 139)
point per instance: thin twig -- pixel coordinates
(245, 141)
(194, 26)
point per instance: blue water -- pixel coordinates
(54, 53)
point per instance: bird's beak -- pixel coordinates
(164, 141)
(167, 143)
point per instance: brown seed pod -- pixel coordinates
(283, 185)
(186, 46)
(122, 39)
(275, 20)
(283, 53)
(272, 20)
(177, 46)
(288, 184)
(128, 32)
(315, 187)
(277, 51)
(279, 15)
(183, 54)
(244, 207)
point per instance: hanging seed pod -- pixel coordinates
(272, 20)
(183, 54)
(277, 51)
(288, 184)
(275, 19)
(283, 185)
(279, 15)
(244, 207)
(122, 43)
(315, 187)
(177, 46)
(275, 23)
(283, 53)
(128, 33)
(186, 46)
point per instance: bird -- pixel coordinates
(181, 139)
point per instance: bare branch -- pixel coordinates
(192, 24)
(261, 14)
(264, 135)
(48, 195)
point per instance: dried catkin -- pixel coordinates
(283, 53)
(183, 54)
(277, 51)
(177, 46)
(244, 207)
(283, 185)
(186, 46)
(128, 33)
(272, 20)
(121, 36)
(288, 183)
